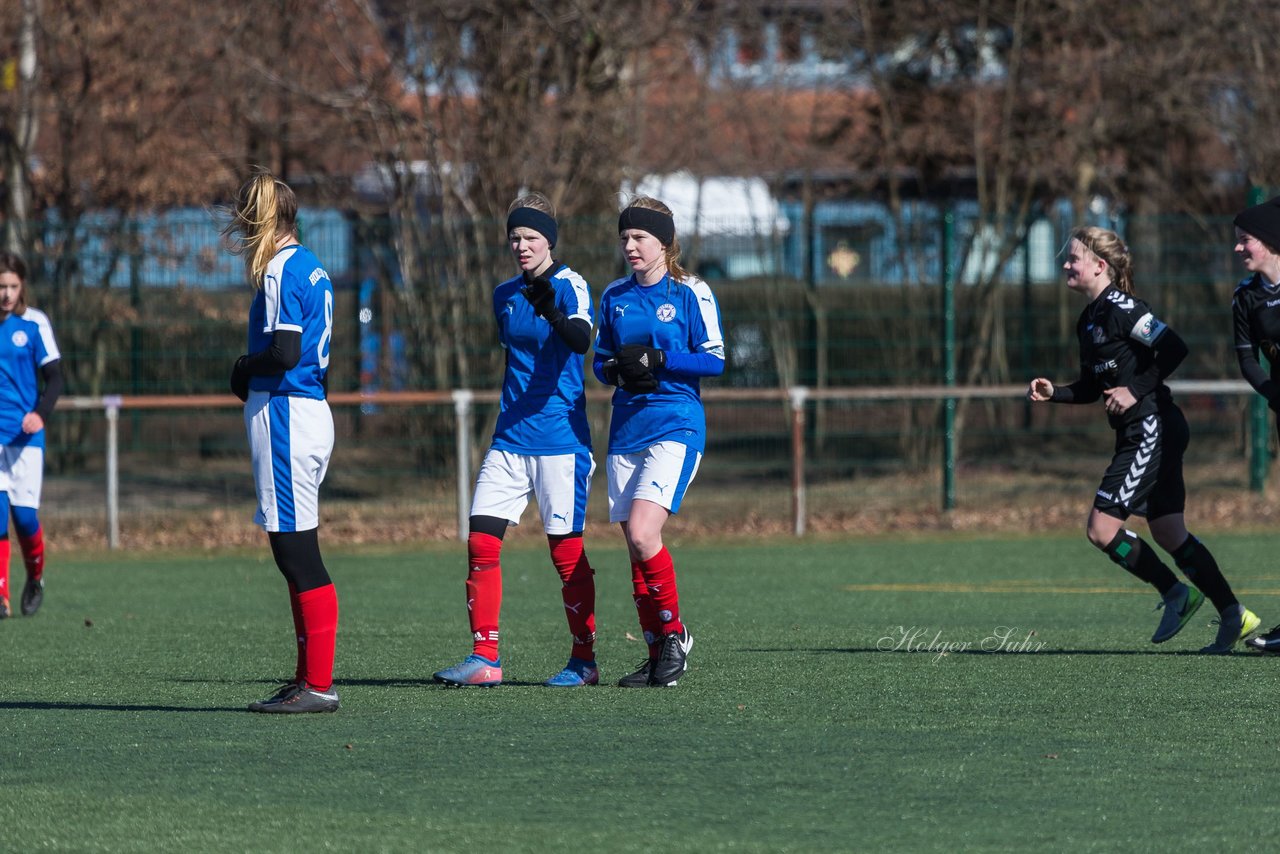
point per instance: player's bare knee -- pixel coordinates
(1099, 537)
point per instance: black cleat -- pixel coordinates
(639, 679)
(1267, 642)
(283, 691)
(672, 663)
(301, 700)
(32, 596)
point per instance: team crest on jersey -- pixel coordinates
(1099, 334)
(19, 339)
(666, 312)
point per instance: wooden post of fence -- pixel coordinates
(798, 396)
(462, 399)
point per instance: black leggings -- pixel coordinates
(297, 553)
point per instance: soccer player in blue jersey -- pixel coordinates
(283, 382)
(659, 334)
(541, 448)
(28, 354)
(1126, 353)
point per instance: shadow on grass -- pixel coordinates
(112, 707)
(393, 682)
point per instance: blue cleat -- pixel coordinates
(576, 674)
(474, 670)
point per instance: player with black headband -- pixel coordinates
(541, 448)
(1255, 311)
(1125, 355)
(659, 334)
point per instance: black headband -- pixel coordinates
(660, 225)
(535, 219)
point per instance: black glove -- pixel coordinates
(542, 296)
(240, 379)
(636, 385)
(637, 360)
(640, 385)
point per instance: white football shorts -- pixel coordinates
(560, 483)
(290, 441)
(661, 473)
(22, 474)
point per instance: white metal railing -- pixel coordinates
(464, 400)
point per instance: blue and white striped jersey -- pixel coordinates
(296, 294)
(22, 353)
(683, 320)
(543, 410)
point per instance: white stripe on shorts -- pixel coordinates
(290, 441)
(22, 474)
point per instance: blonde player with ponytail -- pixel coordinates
(1125, 355)
(283, 381)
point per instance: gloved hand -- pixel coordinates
(637, 360)
(610, 371)
(240, 379)
(639, 384)
(542, 296)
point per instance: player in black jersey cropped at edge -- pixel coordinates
(1125, 355)
(1255, 312)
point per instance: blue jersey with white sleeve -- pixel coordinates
(22, 354)
(543, 410)
(683, 320)
(297, 295)
(41, 319)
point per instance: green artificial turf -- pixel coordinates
(1022, 709)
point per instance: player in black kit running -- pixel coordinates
(1125, 355)
(1255, 311)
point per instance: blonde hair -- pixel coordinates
(1108, 246)
(265, 210)
(672, 254)
(537, 201)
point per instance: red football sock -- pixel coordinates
(660, 576)
(320, 621)
(300, 632)
(484, 592)
(578, 592)
(4, 567)
(649, 622)
(33, 553)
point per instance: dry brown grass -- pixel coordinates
(988, 502)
